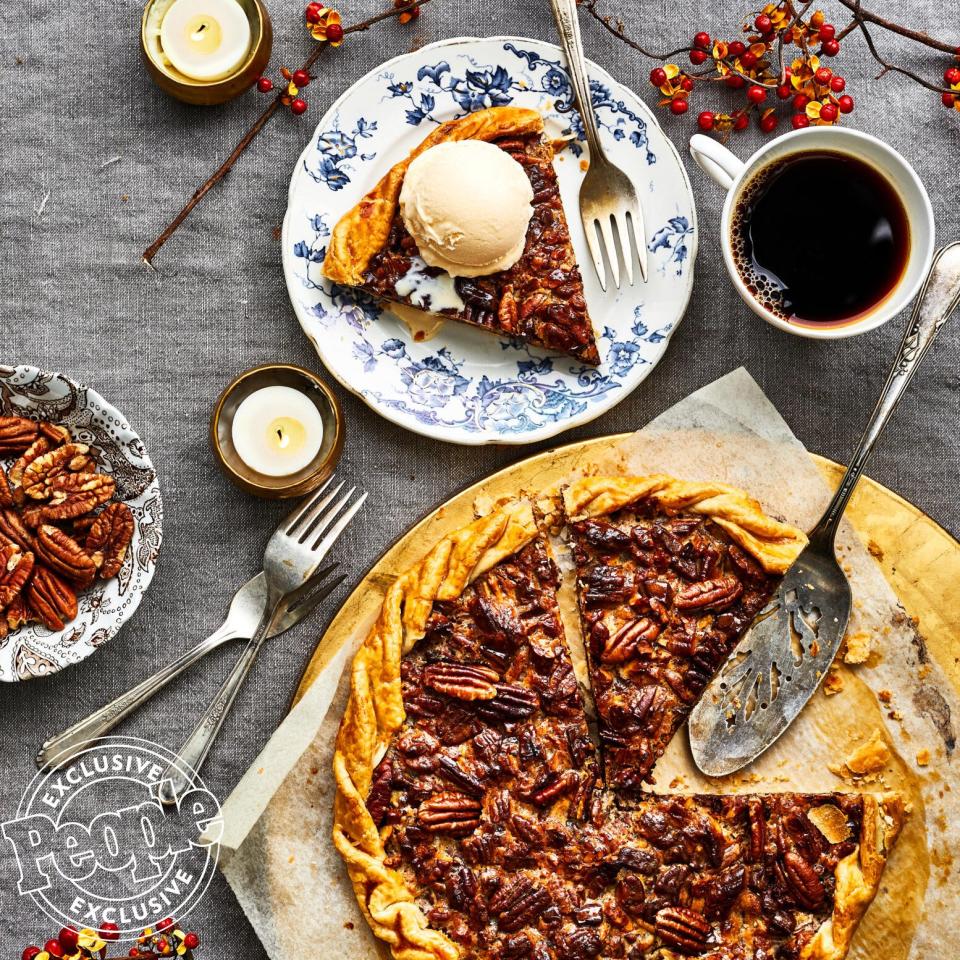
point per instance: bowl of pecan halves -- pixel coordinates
(80, 522)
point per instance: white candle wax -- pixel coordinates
(277, 431)
(205, 39)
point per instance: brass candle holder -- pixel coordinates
(221, 431)
(201, 92)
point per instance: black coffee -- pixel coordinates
(820, 238)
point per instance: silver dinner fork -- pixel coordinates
(609, 207)
(243, 616)
(290, 566)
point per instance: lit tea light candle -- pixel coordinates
(277, 431)
(205, 39)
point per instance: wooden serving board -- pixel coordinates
(920, 560)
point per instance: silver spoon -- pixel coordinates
(244, 614)
(782, 658)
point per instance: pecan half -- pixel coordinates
(51, 599)
(15, 569)
(12, 528)
(38, 476)
(716, 594)
(16, 434)
(38, 448)
(758, 829)
(64, 555)
(683, 929)
(450, 813)
(465, 681)
(448, 768)
(109, 537)
(555, 785)
(518, 904)
(74, 494)
(623, 644)
(509, 703)
(579, 944)
(804, 883)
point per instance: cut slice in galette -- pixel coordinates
(539, 300)
(670, 574)
(472, 821)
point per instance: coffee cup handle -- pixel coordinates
(715, 160)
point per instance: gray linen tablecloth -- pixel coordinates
(75, 297)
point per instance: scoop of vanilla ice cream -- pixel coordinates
(467, 204)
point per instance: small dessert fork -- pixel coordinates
(608, 197)
(290, 562)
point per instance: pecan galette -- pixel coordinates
(538, 300)
(469, 809)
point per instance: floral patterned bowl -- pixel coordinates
(35, 651)
(466, 386)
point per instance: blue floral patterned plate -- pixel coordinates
(464, 385)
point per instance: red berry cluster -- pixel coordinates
(296, 80)
(951, 77)
(166, 940)
(755, 66)
(324, 24)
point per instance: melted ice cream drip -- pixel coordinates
(427, 292)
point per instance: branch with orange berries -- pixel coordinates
(166, 941)
(756, 63)
(325, 26)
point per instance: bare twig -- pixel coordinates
(861, 15)
(892, 67)
(860, 19)
(618, 29)
(258, 125)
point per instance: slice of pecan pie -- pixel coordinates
(669, 575)
(539, 300)
(472, 823)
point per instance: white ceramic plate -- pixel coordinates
(464, 385)
(35, 651)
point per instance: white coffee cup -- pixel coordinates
(733, 174)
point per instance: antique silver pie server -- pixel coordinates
(782, 658)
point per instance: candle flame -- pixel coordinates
(286, 435)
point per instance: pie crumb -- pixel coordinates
(858, 647)
(923, 757)
(884, 696)
(833, 683)
(869, 757)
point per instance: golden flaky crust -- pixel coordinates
(858, 877)
(375, 712)
(363, 230)
(774, 544)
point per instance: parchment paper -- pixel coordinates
(276, 849)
